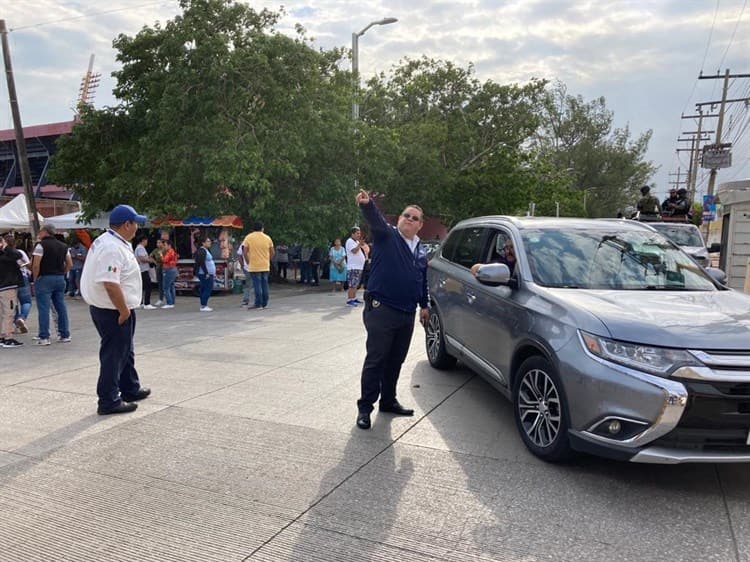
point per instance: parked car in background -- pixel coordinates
(689, 238)
(430, 247)
(606, 336)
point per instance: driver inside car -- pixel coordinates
(506, 254)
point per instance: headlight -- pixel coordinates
(656, 360)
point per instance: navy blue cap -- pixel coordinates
(125, 213)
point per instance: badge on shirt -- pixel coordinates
(375, 303)
(112, 268)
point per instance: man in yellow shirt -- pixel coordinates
(257, 248)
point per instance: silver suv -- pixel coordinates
(607, 338)
(688, 237)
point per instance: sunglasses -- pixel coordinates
(409, 217)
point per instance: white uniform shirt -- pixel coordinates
(354, 260)
(111, 259)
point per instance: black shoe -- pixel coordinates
(121, 408)
(397, 409)
(142, 393)
(363, 421)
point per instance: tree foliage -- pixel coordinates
(607, 166)
(219, 113)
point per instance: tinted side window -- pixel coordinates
(465, 246)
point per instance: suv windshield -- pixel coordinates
(610, 259)
(685, 235)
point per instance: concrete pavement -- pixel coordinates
(247, 450)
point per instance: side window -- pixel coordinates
(465, 247)
(501, 244)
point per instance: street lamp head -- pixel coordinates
(386, 21)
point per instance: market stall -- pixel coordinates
(15, 216)
(224, 232)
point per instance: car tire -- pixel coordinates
(541, 410)
(437, 354)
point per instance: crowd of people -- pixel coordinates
(115, 278)
(677, 204)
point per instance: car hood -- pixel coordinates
(695, 250)
(686, 319)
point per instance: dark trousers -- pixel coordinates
(389, 334)
(282, 266)
(146, 282)
(206, 287)
(116, 357)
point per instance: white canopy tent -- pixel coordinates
(15, 216)
(70, 221)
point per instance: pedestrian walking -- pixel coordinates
(258, 249)
(205, 270)
(355, 263)
(78, 257)
(111, 284)
(169, 271)
(50, 262)
(10, 280)
(398, 282)
(156, 255)
(24, 294)
(144, 265)
(337, 274)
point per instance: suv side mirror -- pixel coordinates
(493, 274)
(717, 275)
(715, 247)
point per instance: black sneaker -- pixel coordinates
(10, 342)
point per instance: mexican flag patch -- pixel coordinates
(112, 268)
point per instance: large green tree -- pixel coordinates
(220, 113)
(606, 165)
(463, 144)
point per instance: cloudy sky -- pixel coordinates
(644, 57)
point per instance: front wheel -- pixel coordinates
(541, 411)
(435, 343)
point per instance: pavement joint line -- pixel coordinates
(42, 377)
(729, 515)
(356, 471)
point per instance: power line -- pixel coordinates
(91, 15)
(731, 39)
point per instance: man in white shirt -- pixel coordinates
(111, 285)
(144, 262)
(355, 263)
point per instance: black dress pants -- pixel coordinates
(389, 334)
(116, 357)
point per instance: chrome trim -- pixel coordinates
(708, 374)
(722, 360)
(493, 371)
(462, 350)
(663, 455)
(673, 406)
(623, 418)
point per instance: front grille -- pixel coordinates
(716, 418)
(709, 440)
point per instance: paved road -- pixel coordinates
(247, 450)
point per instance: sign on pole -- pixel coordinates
(709, 208)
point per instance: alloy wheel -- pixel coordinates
(539, 408)
(434, 337)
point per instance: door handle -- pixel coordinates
(471, 297)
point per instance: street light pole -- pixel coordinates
(355, 61)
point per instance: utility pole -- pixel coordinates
(20, 141)
(695, 150)
(724, 101)
(677, 182)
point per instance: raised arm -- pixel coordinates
(378, 225)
